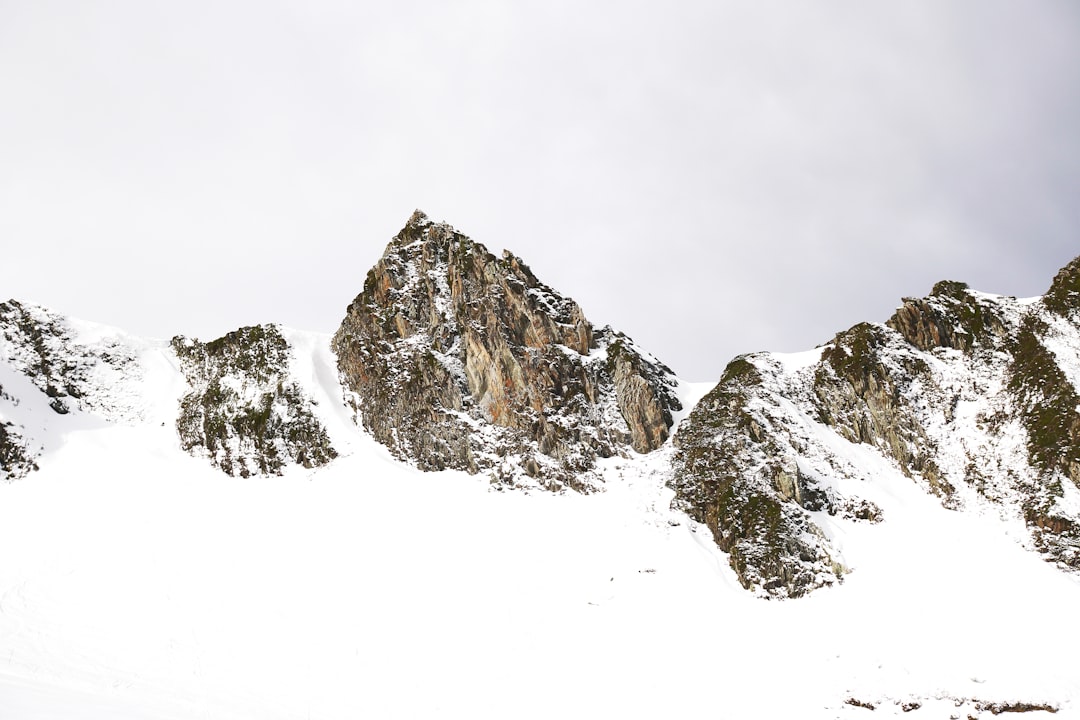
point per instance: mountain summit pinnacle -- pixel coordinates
(456, 358)
(418, 219)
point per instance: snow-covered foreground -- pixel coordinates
(138, 582)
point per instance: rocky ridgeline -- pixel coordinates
(244, 412)
(72, 372)
(974, 396)
(456, 358)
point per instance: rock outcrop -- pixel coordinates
(72, 372)
(737, 472)
(18, 456)
(951, 317)
(456, 358)
(53, 367)
(244, 412)
(973, 396)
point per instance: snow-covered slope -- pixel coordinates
(929, 463)
(59, 375)
(140, 582)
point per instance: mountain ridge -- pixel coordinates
(972, 396)
(454, 358)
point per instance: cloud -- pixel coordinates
(710, 177)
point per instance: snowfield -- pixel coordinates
(139, 582)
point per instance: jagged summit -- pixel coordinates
(415, 300)
(1063, 297)
(951, 316)
(973, 396)
(418, 218)
(456, 358)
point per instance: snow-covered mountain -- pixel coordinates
(285, 524)
(972, 396)
(451, 357)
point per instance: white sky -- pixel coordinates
(710, 177)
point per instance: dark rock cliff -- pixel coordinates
(456, 358)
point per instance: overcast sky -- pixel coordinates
(712, 178)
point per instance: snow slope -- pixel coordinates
(139, 582)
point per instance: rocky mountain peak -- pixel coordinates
(456, 358)
(952, 316)
(418, 219)
(1063, 297)
(429, 266)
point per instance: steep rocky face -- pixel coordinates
(859, 390)
(1063, 297)
(951, 317)
(740, 477)
(456, 358)
(244, 412)
(73, 373)
(971, 395)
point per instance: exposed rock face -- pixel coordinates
(17, 454)
(456, 358)
(951, 317)
(859, 391)
(72, 373)
(736, 474)
(56, 370)
(1063, 297)
(244, 412)
(973, 396)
